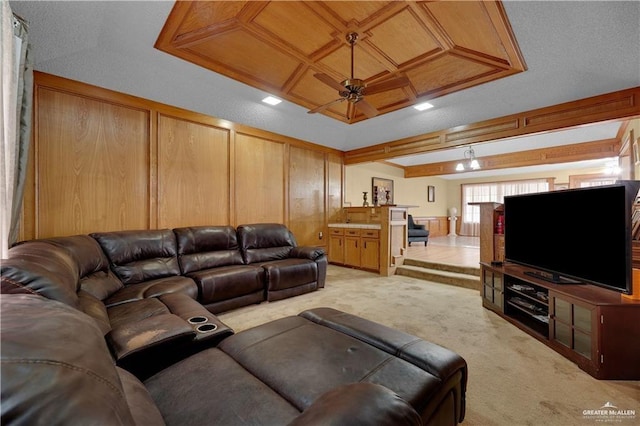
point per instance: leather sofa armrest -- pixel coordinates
(361, 404)
(151, 332)
(312, 253)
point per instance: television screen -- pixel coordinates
(574, 236)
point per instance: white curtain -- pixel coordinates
(492, 192)
(15, 122)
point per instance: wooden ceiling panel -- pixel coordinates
(385, 100)
(248, 57)
(339, 63)
(441, 47)
(307, 90)
(445, 72)
(288, 20)
(203, 14)
(356, 13)
(478, 32)
(406, 30)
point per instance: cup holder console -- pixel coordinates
(206, 328)
(197, 320)
(202, 324)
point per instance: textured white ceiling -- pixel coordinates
(573, 50)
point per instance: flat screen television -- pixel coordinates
(574, 236)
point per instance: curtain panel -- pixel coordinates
(16, 92)
(492, 192)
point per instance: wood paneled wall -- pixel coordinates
(105, 161)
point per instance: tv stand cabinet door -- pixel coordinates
(573, 330)
(619, 345)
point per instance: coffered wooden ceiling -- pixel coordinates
(278, 46)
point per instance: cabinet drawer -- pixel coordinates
(352, 232)
(336, 231)
(370, 233)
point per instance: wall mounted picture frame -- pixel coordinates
(381, 191)
(431, 194)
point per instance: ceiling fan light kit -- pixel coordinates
(353, 90)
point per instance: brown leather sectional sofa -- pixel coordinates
(126, 334)
(143, 287)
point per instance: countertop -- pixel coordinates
(355, 225)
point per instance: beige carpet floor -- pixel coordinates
(513, 378)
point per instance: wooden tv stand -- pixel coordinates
(592, 326)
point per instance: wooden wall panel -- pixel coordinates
(193, 173)
(335, 176)
(92, 165)
(306, 195)
(259, 180)
(106, 161)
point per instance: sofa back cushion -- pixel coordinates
(263, 242)
(205, 247)
(95, 276)
(138, 256)
(39, 267)
(56, 367)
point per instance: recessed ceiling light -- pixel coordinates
(423, 106)
(271, 100)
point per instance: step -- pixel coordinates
(440, 276)
(468, 270)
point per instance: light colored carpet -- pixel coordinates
(513, 378)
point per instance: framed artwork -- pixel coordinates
(382, 191)
(636, 152)
(431, 194)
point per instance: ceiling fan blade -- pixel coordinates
(366, 108)
(325, 106)
(394, 83)
(329, 82)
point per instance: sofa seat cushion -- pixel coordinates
(290, 277)
(270, 349)
(142, 408)
(211, 388)
(228, 282)
(153, 288)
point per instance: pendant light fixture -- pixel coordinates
(470, 162)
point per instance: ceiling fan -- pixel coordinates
(354, 90)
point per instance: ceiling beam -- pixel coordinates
(611, 106)
(560, 154)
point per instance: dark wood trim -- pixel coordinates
(562, 154)
(612, 106)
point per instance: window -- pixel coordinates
(492, 192)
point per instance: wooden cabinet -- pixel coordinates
(492, 289)
(352, 247)
(371, 238)
(336, 245)
(591, 326)
(358, 248)
(370, 250)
